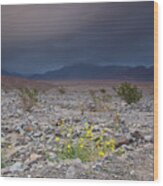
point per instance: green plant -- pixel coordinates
(128, 92)
(87, 146)
(61, 90)
(102, 90)
(29, 98)
(73, 151)
(4, 162)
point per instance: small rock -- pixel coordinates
(30, 118)
(18, 166)
(33, 157)
(128, 136)
(28, 128)
(52, 156)
(19, 130)
(132, 172)
(148, 138)
(127, 147)
(96, 128)
(122, 121)
(71, 172)
(118, 134)
(125, 130)
(19, 112)
(75, 169)
(37, 135)
(137, 135)
(98, 166)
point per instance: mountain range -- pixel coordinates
(90, 72)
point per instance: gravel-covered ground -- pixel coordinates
(28, 136)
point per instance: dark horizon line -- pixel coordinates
(75, 65)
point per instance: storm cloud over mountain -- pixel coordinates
(41, 38)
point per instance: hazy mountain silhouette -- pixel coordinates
(6, 73)
(89, 71)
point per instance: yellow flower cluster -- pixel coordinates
(57, 139)
(81, 144)
(111, 144)
(68, 148)
(88, 147)
(89, 133)
(101, 154)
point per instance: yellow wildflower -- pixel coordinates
(88, 133)
(57, 139)
(81, 146)
(9, 146)
(107, 143)
(112, 145)
(86, 125)
(101, 154)
(112, 148)
(69, 146)
(81, 140)
(91, 137)
(112, 141)
(104, 130)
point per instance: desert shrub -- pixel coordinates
(128, 92)
(102, 90)
(61, 90)
(29, 98)
(101, 101)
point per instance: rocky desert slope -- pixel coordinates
(30, 134)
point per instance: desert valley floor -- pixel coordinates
(30, 137)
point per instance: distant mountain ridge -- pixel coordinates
(90, 72)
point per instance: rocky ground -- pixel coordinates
(28, 136)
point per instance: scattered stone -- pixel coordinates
(37, 134)
(30, 117)
(137, 135)
(52, 156)
(19, 112)
(132, 172)
(28, 137)
(18, 166)
(75, 169)
(148, 139)
(127, 147)
(33, 157)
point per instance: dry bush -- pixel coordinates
(29, 98)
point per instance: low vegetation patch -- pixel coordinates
(61, 90)
(87, 146)
(128, 92)
(102, 90)
(101, 100)
(29, 98)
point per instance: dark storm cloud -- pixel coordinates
(37, 38)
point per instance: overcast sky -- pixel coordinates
(39, 38)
